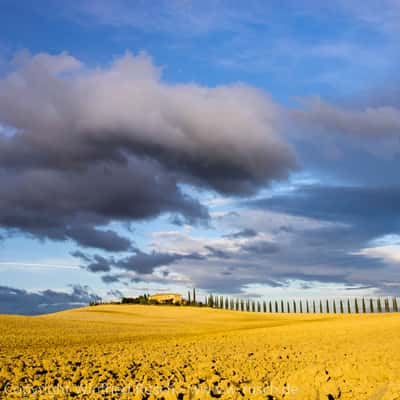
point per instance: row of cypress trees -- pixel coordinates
(313, 306)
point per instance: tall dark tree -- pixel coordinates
(194, 296)
(294, 306)
(356, 306)
(395, 305)
(379, 305)
(288, 307)
(334, 306)
(270, 306)
(307, 307)
(364, 306)
(264, 306)
(348, 306)
(371, 305)
(189, 299)
(276, 306)
(320, 307)
(327, 306)
(341, 307)
(314, 307)
(387, 307)
(282, 308)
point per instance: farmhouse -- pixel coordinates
(165, 298)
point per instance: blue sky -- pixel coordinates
(242, 148)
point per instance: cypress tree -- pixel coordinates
(327, 306)
(301, 307)
(264, 306)
(276, 306)
(395, 305)
(334, 306)
(356, 305)
(307, 307)
(320, 307)
(226, 303)
(253, 306)
(314, 307)
(210, 300)
(221, 302)
(194, 296)
(341, 307)
(282, 310)
(288, 307)
(364, 307)
(270, 306)
(387, 307)
(379, 305)
(294, 306)
(371, 305)
(348, 306)
(189, 301)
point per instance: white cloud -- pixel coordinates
(388, 253)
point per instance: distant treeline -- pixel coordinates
(142, 299)
(333, 306)
(350, 305)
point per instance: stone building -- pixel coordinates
(165, 298)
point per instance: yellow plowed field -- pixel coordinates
(168, 352)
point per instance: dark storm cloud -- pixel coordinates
(139, 262)
(244, 233)
(379, 121)
(261, 247)
(145, 263)
(214, 252)
(106, 240)
(359, 215)
(352, 204)
(88, 147)
(206, 134)
(19, 301)
(70, 204)
(99, 264)
(355, 215)
(95, 263)
(356, 139)
(110, 278)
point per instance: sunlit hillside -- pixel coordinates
(149, 352)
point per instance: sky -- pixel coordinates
(246, 149)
